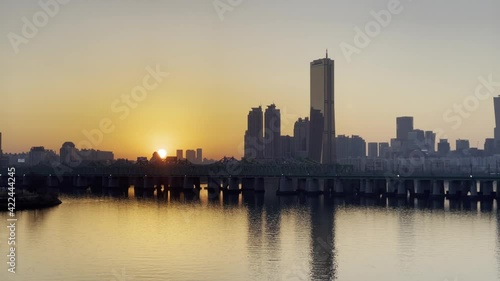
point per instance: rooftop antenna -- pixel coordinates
(326, 53)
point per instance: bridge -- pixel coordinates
(230, 175)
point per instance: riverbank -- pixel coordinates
(29, 201)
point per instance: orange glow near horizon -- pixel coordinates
(204, 101)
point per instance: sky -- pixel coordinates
(78, 70)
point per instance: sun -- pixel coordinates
(162, 152)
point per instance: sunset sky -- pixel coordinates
(65, 79)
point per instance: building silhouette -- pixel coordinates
(287, 147)
(322, 111)
(199, 155)
(350, 147)
(462, 146)
(430, 141)
(443, 147)
(489, 147)
(179, 154)
(37, 155)
(67, 153)
(272, 132)
(301, 138)
(191, 155)
(254, 134)
(384, 150)
(372, 150)
(404, 125)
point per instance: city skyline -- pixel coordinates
(58, 98)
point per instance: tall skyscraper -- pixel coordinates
(496, 103)
(322, 114)
(1, 152)
(404, 125)
(272, 132)
(254, 145)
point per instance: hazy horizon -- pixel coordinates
(72, 73)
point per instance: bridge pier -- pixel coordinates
(472, 188)
(25, 182)
(437, 188)
(80, 182)
(95, 183)
(138, 183)
(259, 185)
(379, 187)
(313, 186)
(234, 185)
(149, 186)
(301, 184)
(248, 184)
(422, 188)
(188, 185)
(401, 185)
(454, 188)
(176, 184)
(392, 188)
(52, 181)
(497, 189)
(124, 183)
(286, 186)
(362, 186)
(369, 183)
(329, 186)
(355, 186)
(486, 188)
(213, 184)
(338, 187)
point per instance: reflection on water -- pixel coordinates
(257, 236)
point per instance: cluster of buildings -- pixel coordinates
(193, 156)
(68, 155)
(314, 137)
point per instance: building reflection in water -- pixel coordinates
(264, 224)
(498, 239)
(406, 238)
(322, 260)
